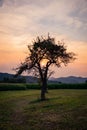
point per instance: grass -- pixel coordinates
(64, 110)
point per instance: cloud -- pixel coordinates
(13, 23)
(79, 13)
(27, 19)
(1, 3)
(18, 3)
(57, 16)
(21, 21)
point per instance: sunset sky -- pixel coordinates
(21, 21)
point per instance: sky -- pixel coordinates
(21, 21)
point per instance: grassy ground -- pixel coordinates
(64, 110)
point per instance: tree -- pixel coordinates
(44, 53)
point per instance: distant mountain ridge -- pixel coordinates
(70, 79)
(31, 79)
(5, 75)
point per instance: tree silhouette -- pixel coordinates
(44, 53)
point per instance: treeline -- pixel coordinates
(13, 80)
(15, 86)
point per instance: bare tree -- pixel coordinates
(44, 53)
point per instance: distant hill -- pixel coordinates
(31, 79)
(70, 79)
(5, 75)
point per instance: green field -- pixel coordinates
(65, 109)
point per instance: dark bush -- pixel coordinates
(33, 86)
(67, 86)
(14, 86)
(8, 86)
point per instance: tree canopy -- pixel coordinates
(43, 53)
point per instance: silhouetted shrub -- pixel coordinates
(14, 86)
(67, 86)
(33, 86)
(8, 86)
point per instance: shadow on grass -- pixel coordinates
(47, 99)
(39, 101)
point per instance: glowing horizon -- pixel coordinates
(22, 21)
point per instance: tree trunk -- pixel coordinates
(43, 95)
(43, 90)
